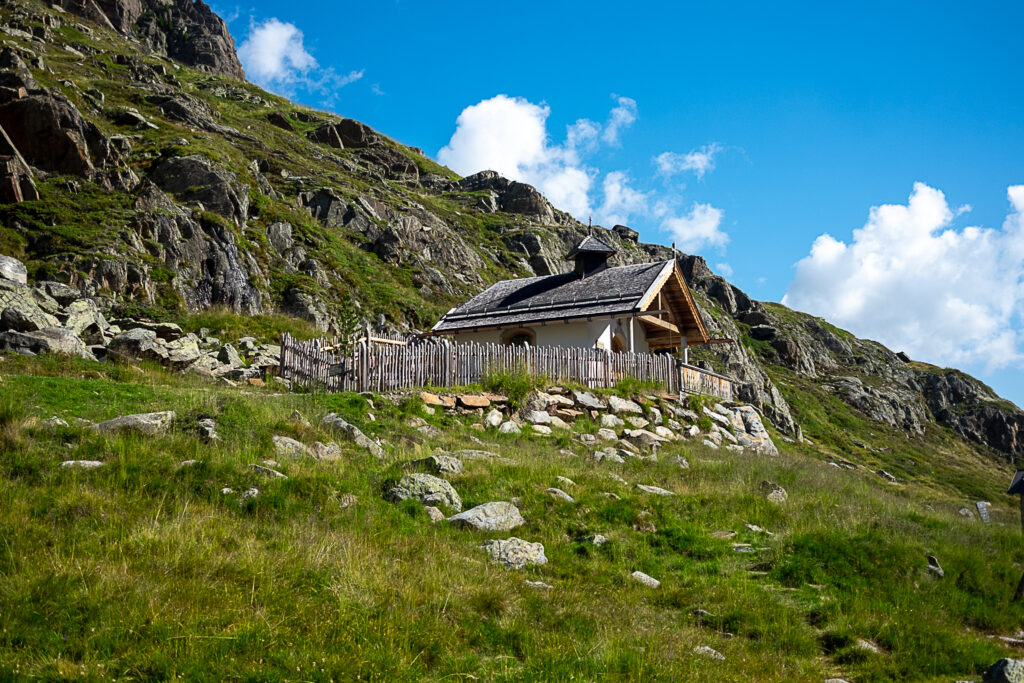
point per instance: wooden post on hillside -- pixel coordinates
(1017, 486)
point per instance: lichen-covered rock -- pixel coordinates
(515, 553)
(438, 464)
(340, 426)
(496, 516)
(622, 405)
(287, 447)
(148, 424)
(13, 269)
(427, 489)
(47, 340)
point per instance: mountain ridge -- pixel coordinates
(167, 183)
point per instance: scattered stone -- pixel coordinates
(434, 514)
(885, 475)
(966, 512)
(621, 405)
(185, 463)
(560, 494)
(611, 421)
(598, 540)
(208, 430)
(587, 400)
(655, 490)
(286, 447)
(509, 427)
(537, 417)
(867, 645)
(637, 422)
(565, 481)
(665, 433)
(758, 530)
(1005, 671)
(607, 455)
(586, 438)
(267, 471)
(427, 489)
(646, 580)
(13, 269)
(81, 464)
(148, 424)
(710, 444)
(327, 451)
(338, 424)
(54, 422)
(226, 491)
(723, 534)
(55, 340)
(607, 435)
(247, 495)
(709, 652)
(496, 516)
(347, 500)
(438, 464)
(470, 454)
(538, 584)
(682, 462)
(494, 418)
(472, 402)
(773, 492)
(515, 553)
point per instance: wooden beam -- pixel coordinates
(658, 322)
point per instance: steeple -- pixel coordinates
(591, 256)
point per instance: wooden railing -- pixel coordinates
(374, 366)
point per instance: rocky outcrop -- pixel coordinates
(187, 31)
(197, 179)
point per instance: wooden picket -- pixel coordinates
(385, 365)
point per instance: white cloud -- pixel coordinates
(700, 161)
(275, 57)
(698, 229)
(724, 269)
(622, 116)
(620, 200)
(509, 135)
(914, 283)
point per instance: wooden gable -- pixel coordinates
(669, 312)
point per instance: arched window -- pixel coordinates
(519, 338)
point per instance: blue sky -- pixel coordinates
(743, 131)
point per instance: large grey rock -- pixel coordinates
(81, 464)
(197, 179)
(645, 579)
(287, 447)
(773, 492)
(148, 424)
(137, 344)
(61, 293)
(439, 464)
(656, 490)
(26, 317)
(427, 489)
(496, 516)
(622, 405)
(493, 419)
(587, 400)
(338, 424)
(560, 495)
(515, 553)
(611, 421)
(509, 427)
(47, 340)
(1005, 671)
(13, 269)
(84, 315)
(183, 352)
(537, 417)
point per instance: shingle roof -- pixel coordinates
(554, 297)
(590, 244)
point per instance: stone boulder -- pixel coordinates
(337, 424)
(147, 424)
(496, 516)
(345, 134)
(515, 553)
(50, 133)
(287, 447)
(427, 489)
(438, 464)
(1005, 671)
(197, 179)
(137, 344)
(622, 405)
(587, 400)
(47, 340)
(13, 269)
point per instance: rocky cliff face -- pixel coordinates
(155, 180)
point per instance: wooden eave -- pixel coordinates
(672, 309)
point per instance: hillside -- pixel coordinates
(172, 219)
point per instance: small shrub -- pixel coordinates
(516, 384)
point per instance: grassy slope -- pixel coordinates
(143, 570)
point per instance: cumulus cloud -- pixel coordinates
(700, 161)
(724, 269)
(621, 200)
(275, 57)
(698, 229)
(911, 281)
(509, 135)
(622, 116)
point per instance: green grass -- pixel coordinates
(141, 569)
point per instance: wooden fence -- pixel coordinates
(381, 367)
